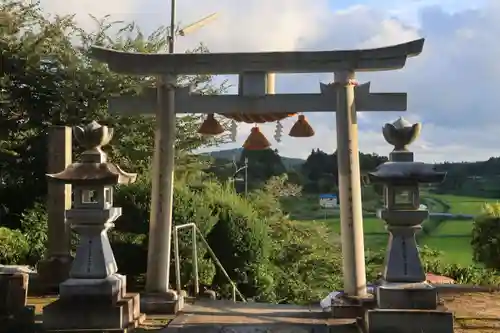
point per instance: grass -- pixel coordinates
(435, 205)
(455, 249)
(374, 229)
(307, 207)
(462, 204)
(370, 225)
(455, 228)
(303, 208)
(451, 237)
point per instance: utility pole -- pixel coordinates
(246, 176)
(237, 170)
(171, 36)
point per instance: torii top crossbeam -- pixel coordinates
(377, 59)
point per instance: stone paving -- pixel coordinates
(228, 317)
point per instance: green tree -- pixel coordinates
(262, 165)
(321, 170)
(486, 237)
(13, 246)
(239, 239)
(45, 80)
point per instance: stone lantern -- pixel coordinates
(94, 296)
(404, 287)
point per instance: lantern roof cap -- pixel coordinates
(93, 169)
(93, 174)
(406, 173)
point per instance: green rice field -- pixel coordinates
(451, 237)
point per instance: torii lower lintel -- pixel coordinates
(326, 101)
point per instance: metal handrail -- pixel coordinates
(196, 231)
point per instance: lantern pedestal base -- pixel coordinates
(113, 288)
(66, 315)
(407, 296)
(408, 321)
(90, 304)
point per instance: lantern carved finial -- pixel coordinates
(401, 133)
(93, 136)
(93, 169)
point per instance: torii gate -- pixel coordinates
(342, 96)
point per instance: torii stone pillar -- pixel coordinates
(351, 212)
(55, 267)
(253, 99)
(159, 246)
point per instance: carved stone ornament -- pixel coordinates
(401, 133)
(93, 135)
(93, 168)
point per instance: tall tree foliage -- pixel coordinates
(321, 169)
(47, 78)
(262, 165)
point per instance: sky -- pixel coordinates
(452, 86)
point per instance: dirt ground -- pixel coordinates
(475, 312)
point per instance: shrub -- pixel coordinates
(130, 252)
(266, 206)
(433, 262)
(134, 199)
(192, 206)
(34, 224)
(239, 239)
(13, 246)
(307, 261)
(486, 236)
(130, 237)
(471, 275)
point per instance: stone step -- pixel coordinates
(217, 316)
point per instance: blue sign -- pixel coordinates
(328, 200)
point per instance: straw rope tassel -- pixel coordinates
(211, 126)
(301, 128)
(256, 140)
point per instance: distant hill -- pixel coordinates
(229, 154)
(474, 179)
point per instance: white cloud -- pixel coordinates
(121, 9)
(452, 86)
